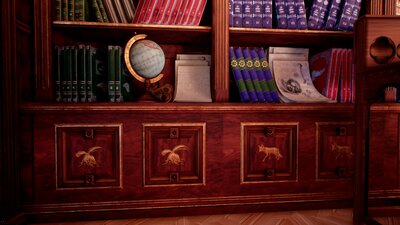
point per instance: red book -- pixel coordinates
(187, 12)
(139, 11)
(181, 11)
(334, 81)
(193, 11)
(349, 75)
(175, 11)
(158, 11)
(199, 13)
(168, 12)
(149, 11)
(343, 78)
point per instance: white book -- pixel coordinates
(192, 84)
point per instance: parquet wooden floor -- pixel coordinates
(310, 217)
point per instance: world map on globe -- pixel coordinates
(147, 58)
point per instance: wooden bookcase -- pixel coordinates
(223, 170)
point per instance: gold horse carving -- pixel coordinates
(341, 151)
(269, 152)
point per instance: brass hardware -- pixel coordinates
(174, 177)
(89, 133)
(269, 131)
(269, 173)
(340, 171)
(89, 179)
(342, 131)
(174, 132)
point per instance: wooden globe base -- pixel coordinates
(155, 93)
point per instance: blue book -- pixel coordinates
(323, 15)
(354, 15)
(257, 13)
(245, 74)
(333, 14)
(301, 15)
(314, 14)
(267, 13)
(260, 75)
(237, 13)
(247, 12)
(253, 74)
(281, 14)
(345, 15)
(291, 14)
(268, 76)
(230, 6)
(237, 75)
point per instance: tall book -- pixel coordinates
(253, 74)
(291, 14)
(96, 11)
(159, 11)
(260, 74)
(199, 13)
(345, 15)
(69, 71)
(281, 14)
(58, 10)
(333, 14)
(111, 73)
(118, 74)
(315, 13)
(230, 9)
(64, 72)
(246, 76)
(267, 14)
(301, 14)
(186, 14)
(74, 74)
(129, 9)
(175, 12)
(82, 63)
(323, 15)
(64, 10)
(268, 76)
(180, 14)
(102, 11)
(97, 76)
(81, 10)
(257, 13)
(111, 11)
(120, 11)
(237, 13)
(139, 9)
(355, 13)
(237, 75)
(247, 13)
(58, 51)
(71, 10)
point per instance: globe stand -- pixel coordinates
(155, 93)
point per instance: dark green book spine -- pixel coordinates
(99, 75)
(82, 73)
(71, 10)
(64, 10)
(68, 88)
(57, 74)
(111, 73)
(102, 11)
(58, 10)
(89, 74)
(96, 10)
(118, 74)
(78, 10)
(74, 74)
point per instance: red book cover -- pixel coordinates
(181, 11)
(321, 69)
(334, 81)
(187, 12)
(161, 12)
(142, 4)
(168, 12)
(344, 78)
(349, 75)
(149, 11)
(199, 13)
(193, 11)
(175, 11)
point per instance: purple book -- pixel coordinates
(333, 14)
(253, 74)
(323, 13)
(281, 13)
(237, 13)
(314, 14)
(267, 13)
(251, 91)
(257, 13)
(260, 75)
(237, 75)
(247, 12)
(291, 14)
(301, 15)
(344, 19)
(354, 15)
(230, 5)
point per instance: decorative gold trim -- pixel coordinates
(203, 151)
(128, 61)
(87, 125)
(242, 148)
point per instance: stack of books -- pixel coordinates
(292, 14)
(174, 12)
(88, 74)
(114, 11)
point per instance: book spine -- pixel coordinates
(138, 11)
(96, 10)
(237, 75)
(82, 73)
(158, 12)
(129, 10)
(314, 14)
(253, 75)
(118, 74)
(257, 13)
(171, 7)
(267, 14)
(323, 15)
(237, 13)
(102, 11)
(149, 11)
(181, 12)
(68, 79)
(143, 11)
(120, 11)
(355, 14)
(187, 12)
(301, 14)
(193, 12)
(164, 12)
(74, 74)
(57, 77)
(291, 14)
(246, 76)
(111, 73)
(260, 75)
(334, 10)
(90, 97)
(78, 7)
(247, 12)
(345, 15)
(71, 10)
(64, 10)
(111, 11)
(175, 11)
(281, 14)
(230, 7)
(268, 76)
(199, 13)
(58, 10)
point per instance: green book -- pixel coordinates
(82, 73)
(71, 10)
(64, 10)
(58, 10)
(111, 73)
(118, 73)
(57, 74)
(81, 10)
(96, 80)
(102, 11)
(74, 74)
(68, 74)
(89, 74)
(96, 10)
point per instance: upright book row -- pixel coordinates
(252, 75)
(173, 12)
(84, 73)
(292, 14)
(115, 11)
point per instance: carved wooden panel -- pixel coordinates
(174, 153)
(88, 156)
(268, 152)
(335, 150)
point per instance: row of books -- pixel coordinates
(88, 74)
(333, 74)
(115, 11)
(252, 75)
(178, 12)
(292, 14)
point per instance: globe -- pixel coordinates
(147, 58)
